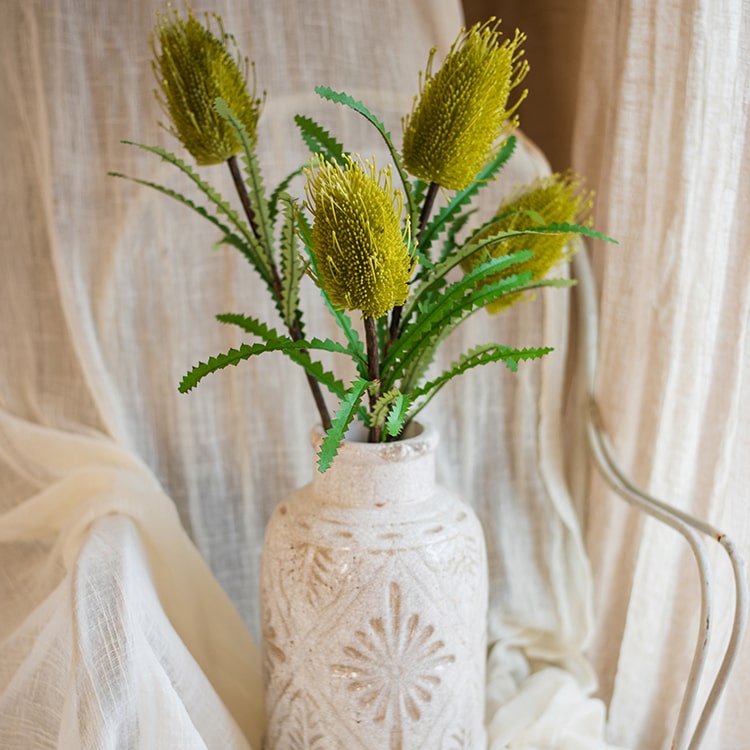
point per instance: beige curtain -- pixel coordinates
(131, 517)
(651, 101)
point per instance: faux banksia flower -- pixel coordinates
(462, 111)
(556, 199)
(193, 68)
(361, 252)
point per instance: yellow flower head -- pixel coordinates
(193, 68)
(361, 253)
(558, 199)
(462, 113)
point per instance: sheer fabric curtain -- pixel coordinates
(131, 517)
(655, 101)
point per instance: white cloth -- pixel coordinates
(652, 103)
(674, 186)
(112, 631)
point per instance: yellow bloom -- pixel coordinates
(558, 199)
(361, 253)
(194, 68)
(462, 112)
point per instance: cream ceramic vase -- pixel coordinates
(374, 604)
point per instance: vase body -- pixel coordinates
(374, 603)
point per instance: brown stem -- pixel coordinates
(373, 369)
(429, 202)
(294, 330)
(241, 189)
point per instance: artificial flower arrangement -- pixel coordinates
(377, 251)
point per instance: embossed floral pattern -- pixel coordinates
(395, 666)
(302, 727)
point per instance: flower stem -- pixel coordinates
(239, 185)
(429, 202)
(373, 370)
(294, 329)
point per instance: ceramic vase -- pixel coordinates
(374, 603)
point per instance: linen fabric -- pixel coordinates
(653, 98)
(131, 517)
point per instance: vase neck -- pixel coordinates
(377, 475)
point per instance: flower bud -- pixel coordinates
(557, 199)
(193, 68)
(462, 113)
(362, 257)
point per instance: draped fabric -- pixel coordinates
(131, 517)
(654, 104)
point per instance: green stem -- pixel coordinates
(294, 330)
(373, 370)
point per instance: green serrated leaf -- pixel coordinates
(458, 224)
(231, 358)
(566, 228)
(272, 341)
(451, 308)
(397, 415)
(341, 97)
(419, 190)
(252, 248)
(475, 357)
(257, 328)
(319, 140)
(462, 198)
(340, 423)
(278, 192)
(431, 286)
(178, 197)
(291, 269)
(382, 406)
(254, 181)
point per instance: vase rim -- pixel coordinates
(422, 440)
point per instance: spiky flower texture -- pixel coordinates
(557, 199)
(462, 113)
(356, 228)
(361, 252)
(193, 67)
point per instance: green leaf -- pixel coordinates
(389, 411)
(397, 415)
(292, 270)
(254, 326)
(419, 191)
(319, 140)
(451, 308)
(480, 355)
(340, 97)
(434, 281)
(254, 181)
(356, 348)
(297, 351)
(576, 229)
(253, 250)
(178, 197)
(422, 357)
(450, 243)
(463, 197)
(347, 409)
(231, 358)
(279, 191)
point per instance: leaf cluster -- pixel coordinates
(275, 237)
